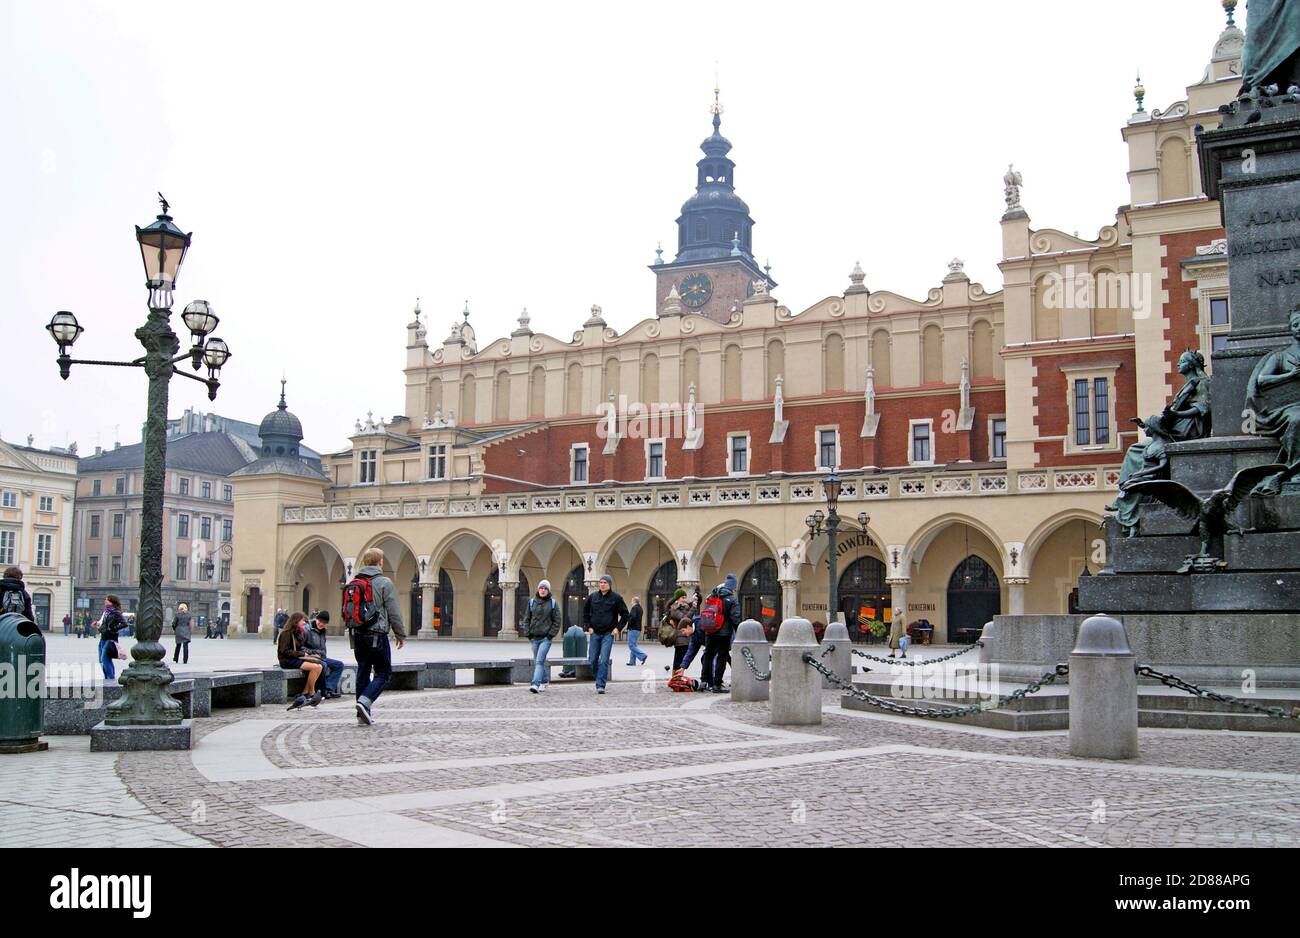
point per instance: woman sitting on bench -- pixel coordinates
(289, 649)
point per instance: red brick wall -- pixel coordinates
(1054, 398)
(1182, 310)
(731, 282)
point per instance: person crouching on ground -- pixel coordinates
(371, 644)
(315, 643)
(602, 616)
(541, 625)
(181, 628)
(289, 647)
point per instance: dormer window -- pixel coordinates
(368, 465)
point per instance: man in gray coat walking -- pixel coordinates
(370, 644)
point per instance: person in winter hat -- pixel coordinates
(541, 625)
(603, 615)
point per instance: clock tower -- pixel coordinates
(714, 270)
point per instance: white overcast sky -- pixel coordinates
(337, 160)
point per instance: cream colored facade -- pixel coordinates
(37, 489)
(866, 366)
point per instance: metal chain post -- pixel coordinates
(917, 664)
(749, 660)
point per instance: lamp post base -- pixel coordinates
(106, 738)
(23, 745)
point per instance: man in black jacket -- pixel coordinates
(635, 655)
(314, 642)
(603, 615)
(717, 645)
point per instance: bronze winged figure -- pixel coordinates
(1209, 514)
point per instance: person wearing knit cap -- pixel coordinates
(681, 613)
(603, 615)
(541, 625)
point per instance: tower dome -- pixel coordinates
(714, 222)
(280, 431)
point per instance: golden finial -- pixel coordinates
(716, 110)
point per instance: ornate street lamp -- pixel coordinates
(831, 487)
(145, 701)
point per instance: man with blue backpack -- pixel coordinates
(719, 619)
(541, 625)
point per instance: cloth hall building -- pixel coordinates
(980, 428)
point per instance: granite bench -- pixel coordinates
(71, 710)
(523, 673)
(235, 689)
(443, 673)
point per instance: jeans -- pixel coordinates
(693, 646)
(679, 652)
(333, 674)
(373, 651)
(176, 654)
(713, 664)
(541, 671)
(104, 661)
(633, 651)
(599, 648)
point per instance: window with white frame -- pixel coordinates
(8, 542)
(654, 459)
(205, 528)
(998, 438)
(119, 522)
(92, 569)
(115, 567)
(227, 529)
(369, 466)
(8, 499)
(227, 493)
(1220, 323)
(44, 550)
(828, 448)
(920, 450)
(185, 486)
(578, 462)
(119, 485)
(438, 461)
(183, 526)
(1090, 392)
(182, 567)
(225, 571)
(95, 487)
(46, 504)
(207, 489)
(94, 527)
(738, 454)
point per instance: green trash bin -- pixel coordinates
(22, 688)
(574, 646)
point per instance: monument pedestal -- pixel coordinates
(107, 738)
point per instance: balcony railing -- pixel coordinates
(687, 495)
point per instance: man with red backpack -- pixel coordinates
(719, 619)
(370, 609)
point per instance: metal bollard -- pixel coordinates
(1103, 692)
(744, 686)
(841, 659)
(796, 692)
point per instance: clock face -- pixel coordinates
(696, 290)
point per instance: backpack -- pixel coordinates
(13, 601)
(667, 632)
(712, 616)
(679, 683)
(359, 609)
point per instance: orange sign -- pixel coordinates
(889, 616)
(768, 612)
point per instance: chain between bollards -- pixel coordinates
(1173, 680)
(749, 660)
(1048, 677)
(919, 663)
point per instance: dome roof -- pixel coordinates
(280, 422)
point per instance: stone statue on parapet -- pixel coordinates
(1186, 417)
(1210, 514)
(1272, 52)
(1273, 397)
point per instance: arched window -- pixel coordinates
(833, 362)
(492, 603)
(444, 598)
(1112, 304)
(931, 354)
(775, 364)
(880, 363)
(468, 400)
(864, 597)
(610, 379)
(760, 596)
(690, 373)
(650, 378)
(537, 392)
(502, 409)
(981, 342)
(731, 373)
(974, 597)
(573, 390)
(1047, 315)
(1175, 177)
(434, 402)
